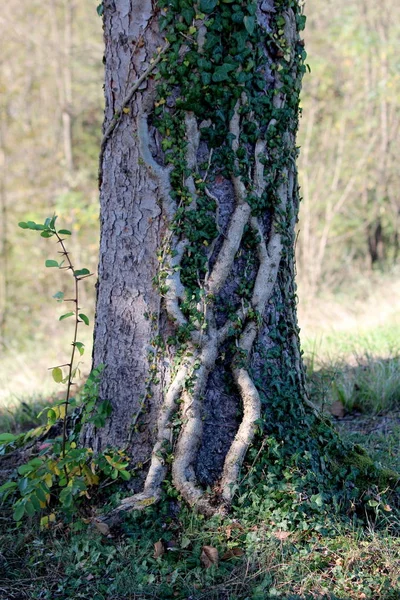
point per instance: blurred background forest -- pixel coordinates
(51, 109)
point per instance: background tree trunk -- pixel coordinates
(196, 311)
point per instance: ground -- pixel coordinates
(171, 553)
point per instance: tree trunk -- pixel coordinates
(196, 310)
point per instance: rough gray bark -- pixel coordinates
(219, 413)
(130, 233)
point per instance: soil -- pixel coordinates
(386, 424)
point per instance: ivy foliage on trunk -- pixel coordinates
(196, 312)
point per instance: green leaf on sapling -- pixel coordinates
(80, 346)
(51, 263)
(57, 374)
(7, 438)
(68, 314)
(80, 272)
(19, 511)
(84, 318)
(9, 485)
(59, 296)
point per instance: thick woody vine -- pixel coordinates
(229, 76)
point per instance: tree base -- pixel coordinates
(315, 472)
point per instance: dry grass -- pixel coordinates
(364, 319)
(24, 375)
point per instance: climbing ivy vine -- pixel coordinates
(225, 111)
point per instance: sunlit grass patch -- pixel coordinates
(26, 382)
(369, 384)
(377, 341)
(383, 445)
(17, 416)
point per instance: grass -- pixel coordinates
(257, 560)
(22, 415)
(368, 384)
(351, 563)
(351, 347)
(361, 319)
(382, 446)
(159, 553)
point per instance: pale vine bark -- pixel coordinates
(193, 408)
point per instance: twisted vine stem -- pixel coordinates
(188, 385)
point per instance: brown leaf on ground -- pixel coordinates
(209, 556)
(232, 553)
(158, 549)
(102, 527)
(231, 527)
(281, 535)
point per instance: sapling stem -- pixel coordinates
(75, 337)
(49, 230)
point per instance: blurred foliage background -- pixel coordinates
(349, 137)
(51, 109)
(50, 130)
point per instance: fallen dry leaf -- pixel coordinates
(158, 549)
(102, 527)
(281, 535)
(232, 553)
(209, 556)
(231, 527)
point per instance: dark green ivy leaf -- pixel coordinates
(207, 6)
(221, 73)
(188, 15)
(250, 23)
